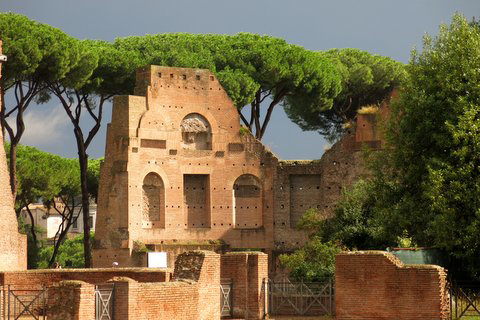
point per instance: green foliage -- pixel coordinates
(93, 176)
(250, 67)
(70, 253)
(39, 52)
(33, 247)
(139, 247)
(314, 262)
(47, 177)
(428, 181)
(114, 72)
(353, 224)
(43, 176)
(424, 187)
(365, 79)
(244, 131)
(319, 90)
(240, 87)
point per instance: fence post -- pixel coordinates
(231, 297)
(456, 302)
(330, 295)
(112, 299)
(265, 298)
(301, 298)
(450, 299)
(8, 314)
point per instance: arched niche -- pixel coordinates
(153, 194)
(247, 202)
(196, 132)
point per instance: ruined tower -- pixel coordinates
(13, 245)
(179, 173)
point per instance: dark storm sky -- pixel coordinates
(383, 27)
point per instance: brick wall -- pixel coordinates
(246, 270)
(71, 300)
(145, 301)
(376, 285)
(46, 277)
(143, 294)
(194, 295)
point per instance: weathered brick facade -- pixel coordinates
(13, 246)
(376, 285)
(179, 171)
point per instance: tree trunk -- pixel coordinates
(74, 113)
(83, 159)
(32, 227)
(2, 110)
(56, 246)
(13, 170)
(23, 101)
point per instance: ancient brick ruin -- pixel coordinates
(13, 245)
(180, 174)
(376, 285)
(189, 291)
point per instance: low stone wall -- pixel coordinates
(191, 292)
(376, 285)
(193, 295)
(247, 271)
(47, 277)
(71, 300)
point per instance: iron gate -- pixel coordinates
(226, 287)
(464, 299)
(104, 301)
(300, 298)
(24, 303)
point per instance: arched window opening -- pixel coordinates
(153, 192)
(247, 202)
(196, 132)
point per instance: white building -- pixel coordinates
(49, 220)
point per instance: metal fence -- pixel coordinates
(464, 299)
(226, 292)
(300, 298)
(104, 295)
(24, 303)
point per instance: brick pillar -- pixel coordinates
(209, 287)
(234, 267)
(257, 272)
(71, 300)
(247, 271)
(125, 298)
(203, 267)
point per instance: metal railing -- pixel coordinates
(464, 299)
(226, 293)
(104, 295)
(24, 303)
(300, 298)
